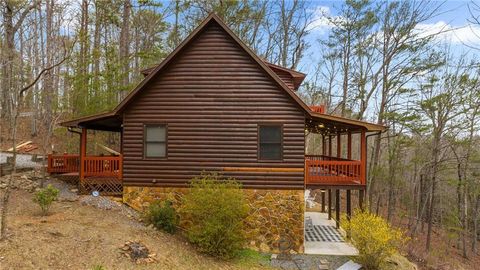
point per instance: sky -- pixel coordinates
(451, 21)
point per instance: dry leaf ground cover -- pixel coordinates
(78, 235)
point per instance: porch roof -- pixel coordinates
(316, 122)
(331, 124)
(108, 121)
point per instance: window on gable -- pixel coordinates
(155, 141)
(270, 142)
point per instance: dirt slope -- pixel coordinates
(77, 236)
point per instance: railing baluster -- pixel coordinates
(324, 169)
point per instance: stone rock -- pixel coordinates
(137, 252)
(274, 214)
(264, 247)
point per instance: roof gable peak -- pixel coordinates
(212, 17)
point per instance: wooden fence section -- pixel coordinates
(110, 166)
(324, 157)
(63, 163)
(94, 166)
(320, 170)
(100, 173)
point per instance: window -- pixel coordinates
(155, 141)
(270, 142)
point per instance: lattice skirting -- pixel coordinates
(71, 179)
(323, 233)
(104, 185)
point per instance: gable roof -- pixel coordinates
(265, 66)
(297, 77)
(211, 18)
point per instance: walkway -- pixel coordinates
(324, 238)
(23, 160)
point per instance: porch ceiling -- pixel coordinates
(331, 125)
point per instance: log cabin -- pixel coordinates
(213, 105)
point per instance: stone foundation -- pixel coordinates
(274, 224)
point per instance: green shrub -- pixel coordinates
(215, 209)
(45, 197)
(374, 238)
(98, 267)
(162, 216)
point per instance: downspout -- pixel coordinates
(70, 129)
(378, 133)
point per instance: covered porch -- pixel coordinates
(101, 173)
(336, 161)
(338, 157)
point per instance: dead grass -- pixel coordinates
(76, 236)
(443, 255)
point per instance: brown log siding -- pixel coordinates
(285, 77)
(213, 96)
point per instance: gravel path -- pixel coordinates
(23, 160)
(307, 262)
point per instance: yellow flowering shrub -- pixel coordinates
(374, 238)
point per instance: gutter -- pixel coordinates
(378, 133)
(375, 134)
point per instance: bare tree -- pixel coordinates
(125, 45)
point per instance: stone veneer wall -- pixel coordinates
(274, 224)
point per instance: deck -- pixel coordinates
(98, 173)
(104, 173)
(327, 171)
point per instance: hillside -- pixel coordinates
(77, 235)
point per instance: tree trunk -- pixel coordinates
(82, 93)
(6, 198)
(7, 58)
(475, 224)
(6, 195)
(435, 155)
(96, 49)
(124, 47)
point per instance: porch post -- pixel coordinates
(349, 145)
(349, 204)
(329, 204)
(329, 145)
(339, 144)
(363, 157)
(83, 152)
(337, 208)
(322, 191)
(360, 198)
(324, 145)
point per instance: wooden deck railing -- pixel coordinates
(324, 157)
(63, 163)
(104, 166)
(321, 169)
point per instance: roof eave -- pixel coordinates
(76, 123)
(371, 127)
